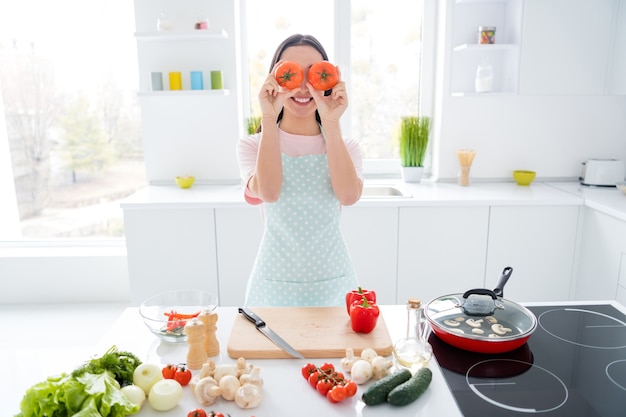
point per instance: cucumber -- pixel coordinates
(410, 390)
(378, 391)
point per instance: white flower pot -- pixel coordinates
(412, 174)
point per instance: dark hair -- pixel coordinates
(296, 40)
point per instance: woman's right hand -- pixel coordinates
(272, 96)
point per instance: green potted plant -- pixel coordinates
(413, 137)
(252, 124)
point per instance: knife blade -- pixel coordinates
(269, 333)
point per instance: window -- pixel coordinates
(380, 45)
(70, 142)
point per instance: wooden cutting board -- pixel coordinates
(315, 332)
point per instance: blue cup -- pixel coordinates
(196, 80)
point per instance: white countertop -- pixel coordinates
(607, 200)
(284, 389)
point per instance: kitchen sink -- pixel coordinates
(371, 191)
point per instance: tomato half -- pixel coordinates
(289, 75)
(198, 412)
(323, 75)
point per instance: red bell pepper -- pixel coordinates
(356, 296)
(364, 316)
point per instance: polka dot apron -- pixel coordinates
(302, 259)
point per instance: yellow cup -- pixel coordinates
(176, 81)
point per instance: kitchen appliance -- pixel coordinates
(269, 333)
(573, 365)
(480, 320)
(602, 172)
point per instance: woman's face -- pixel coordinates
(301, 104)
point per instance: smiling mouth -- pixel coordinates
(302, 100)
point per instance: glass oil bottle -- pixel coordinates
(413, 351)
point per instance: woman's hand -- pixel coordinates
(272, 96)
(330, 108)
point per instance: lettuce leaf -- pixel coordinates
(90, 395)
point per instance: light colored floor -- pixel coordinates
(37, 341)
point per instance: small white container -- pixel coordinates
(484, 78)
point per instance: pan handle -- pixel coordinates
(480, 291)
(504, 277)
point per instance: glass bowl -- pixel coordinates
(166, 314)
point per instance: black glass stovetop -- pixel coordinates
(573, 365)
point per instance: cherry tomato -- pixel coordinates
(337, 393)
(182, 375)
(323, 75)
(168, 371)
(314, 378)
(197, 412)
(323, 386)
(330, 397)
(328, 367)
(308, 369)
(289, 75)
(351, 388)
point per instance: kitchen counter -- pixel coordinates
(41, 350)
(420, 194)
(608, 200)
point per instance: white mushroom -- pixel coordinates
(229, 385)
(451, 323)
(491, 319)
(254, 377)
(460, 318)
(474, 323)
(207, 390)
(478, 331)
(381, 367)
(348, 361)
(458, 331)
(368, 354)
(361, 371)
(243, 367)
(500, 329)
(493, 336)
(225, 369)
(248, 396)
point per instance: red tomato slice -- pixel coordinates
(323, 75)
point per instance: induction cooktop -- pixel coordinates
(573, 365)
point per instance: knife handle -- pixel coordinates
(258, 322)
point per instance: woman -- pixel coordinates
(301, 169)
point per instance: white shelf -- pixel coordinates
(490, 94)
(486, 47)
(178, 93)
(182, 35)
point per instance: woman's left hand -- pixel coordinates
(333, 106)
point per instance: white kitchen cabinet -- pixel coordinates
(441, 250)
(567, 46)
(371, 234)
(189, 132)
(539, 243)
(467, 54)
(170, 249)
(239, 231)
(601, 268)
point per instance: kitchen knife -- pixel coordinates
(269, 333)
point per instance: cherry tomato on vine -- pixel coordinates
(323, 75)
(351, 388)
(308, 369)
(327, 367)
(337, 393)
(324, 385)
(289, 75)
(314, 378)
